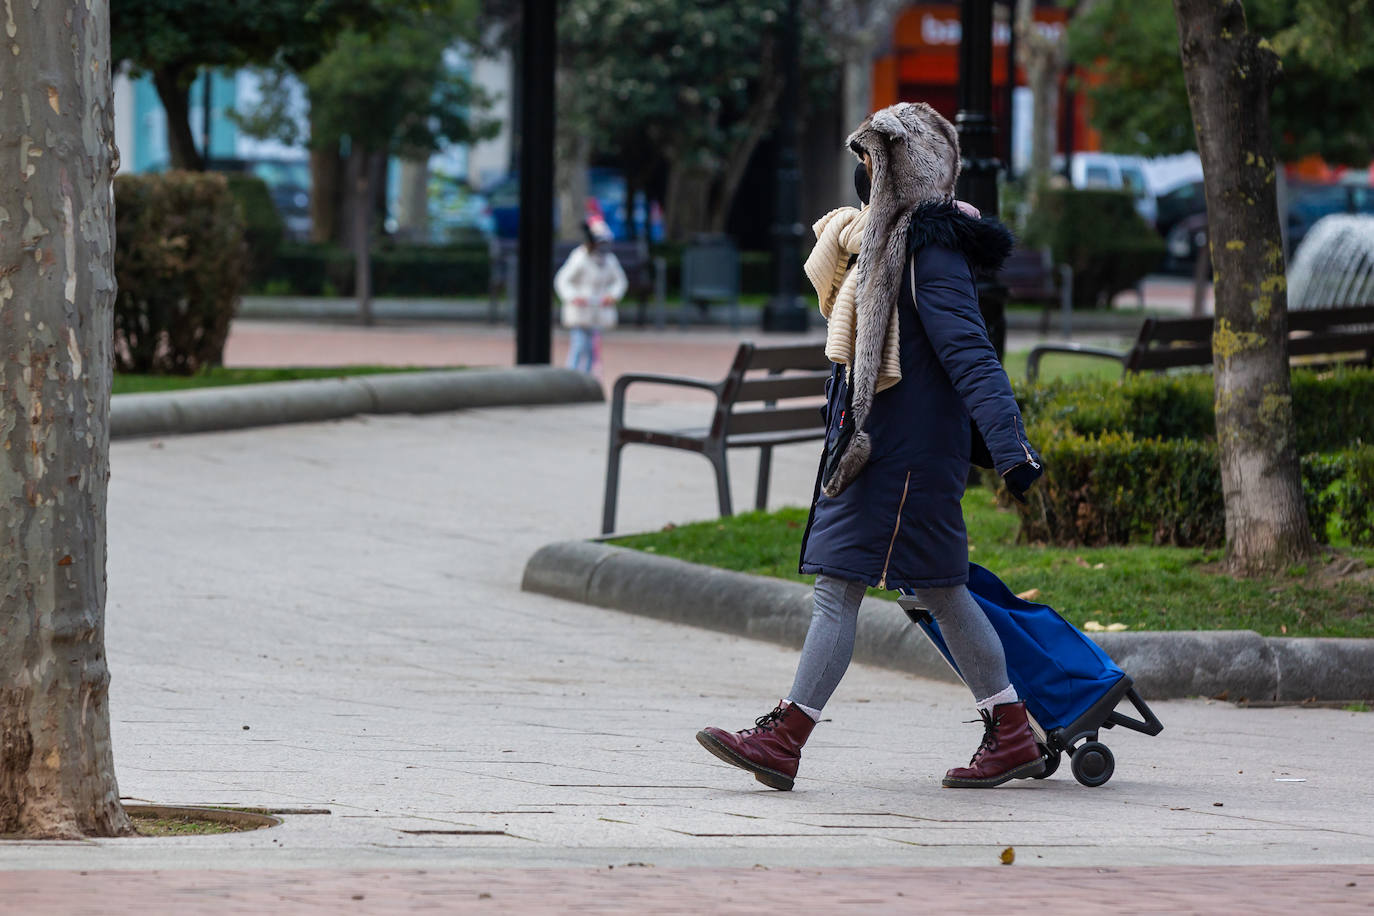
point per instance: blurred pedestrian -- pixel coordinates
(589, 285)
(916, 380)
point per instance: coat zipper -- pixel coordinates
(882, 582)
(1016, 431)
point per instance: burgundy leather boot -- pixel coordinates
(1008, 751)
(770, 750)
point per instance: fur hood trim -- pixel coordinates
(986, 243)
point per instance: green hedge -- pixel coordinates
(180, 263)
(263, 226)
(1137, 459)
(1332, 409)
(316, 270)
(1117, 489)
(1099, 234)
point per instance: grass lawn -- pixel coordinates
(1146, 588)
(218, 375)
(1061, 365)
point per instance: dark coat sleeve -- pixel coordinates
(947, 303)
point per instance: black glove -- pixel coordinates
(1020, 478)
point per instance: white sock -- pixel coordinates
(1005, 695)
(813, 714)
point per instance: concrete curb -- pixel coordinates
(1239, 664)
(241, 406)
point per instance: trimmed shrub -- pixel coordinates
(1333, 410)
(263, 226)
(310, 269)
(180, 262)
(1117, 489)
(1099, 234)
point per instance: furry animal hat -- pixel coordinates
(914, 154)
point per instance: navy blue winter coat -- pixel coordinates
(900, 523)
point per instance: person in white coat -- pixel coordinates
(589, 284)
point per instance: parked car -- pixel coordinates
(1307, 203)
(605, 186)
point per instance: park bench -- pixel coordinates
(1030, 275)
(759, 404)
(1316, 337)
(645, 275)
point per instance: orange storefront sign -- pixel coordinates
(925, 50)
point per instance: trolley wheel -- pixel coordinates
(1092, 763)
(1051, 762)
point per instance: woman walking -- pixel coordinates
(916, 381)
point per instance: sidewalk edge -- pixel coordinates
(314, 400)
(1238, 665)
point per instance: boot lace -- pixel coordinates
(766, 722)
(989, 742)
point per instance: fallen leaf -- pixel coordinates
(1283, 628)
(1008, 856)
(1081, 562)
(1099, 566)
(65, 561)
(1092, 626)
(1029, 594)
(1117, 627)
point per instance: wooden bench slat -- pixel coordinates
(1309, 344)
(781, 387)
(1320, 319)
(1169, 357)
(782, 437)
(792, 356)
(773, 419)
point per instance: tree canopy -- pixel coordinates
(694, 86)
(399, 89)
(173, 39)
(1319, 105)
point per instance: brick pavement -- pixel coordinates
(634, 889)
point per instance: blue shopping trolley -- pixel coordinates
(1070, 686)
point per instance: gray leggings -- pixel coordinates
(830, 640)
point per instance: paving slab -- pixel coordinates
(329, 616)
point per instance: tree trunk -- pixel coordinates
(56, 300)
(360, 237)
(757, 121)
(570, 181)
(1043, 60)
(856, 103)
(1230, 75)
(326, 210)
(412, 208)
(174, 91)
(686, 203)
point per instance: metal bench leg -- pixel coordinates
(612, 487)
(718, 461)
(765, 469)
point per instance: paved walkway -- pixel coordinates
(638, 888)
(328, 616)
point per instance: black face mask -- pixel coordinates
(862, 184)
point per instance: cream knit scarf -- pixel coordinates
(838, 236)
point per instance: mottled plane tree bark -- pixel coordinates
(56, 295)
(1230, 74)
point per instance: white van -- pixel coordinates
(1106, 170)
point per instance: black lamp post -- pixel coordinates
(534, 299)
(786, 311)
(977, 139)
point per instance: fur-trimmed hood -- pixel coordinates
(986, 243)
(914, 155)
